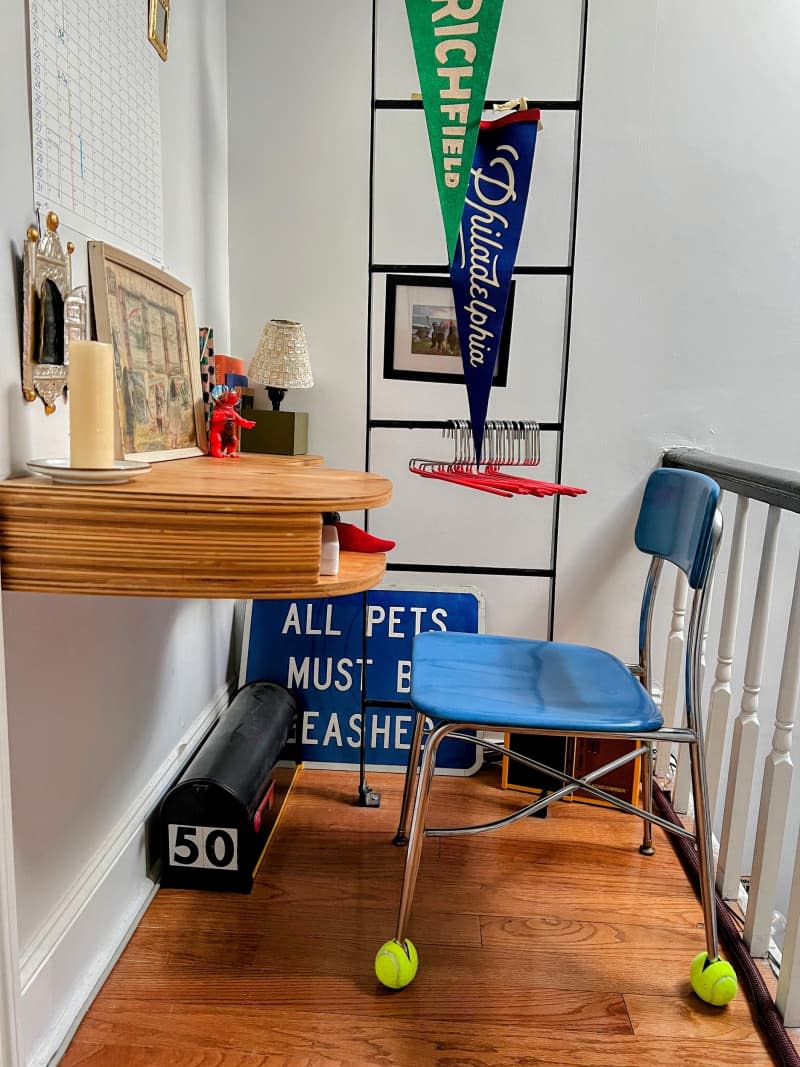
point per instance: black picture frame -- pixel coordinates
(404, 292)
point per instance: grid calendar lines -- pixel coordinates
(97, 150)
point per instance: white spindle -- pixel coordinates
(787, 998)
(745, 730)
(673, 674)
(775, 788)
(720, 700)
(682, 788)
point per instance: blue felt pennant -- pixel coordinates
(486, 250)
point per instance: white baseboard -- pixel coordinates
(63, 968)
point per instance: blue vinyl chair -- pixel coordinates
(485, 682)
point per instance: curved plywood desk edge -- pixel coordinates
(190, 528)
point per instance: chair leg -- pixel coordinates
(417, 832)
(705, 854)
(646, 848)
(713, 979)
(401, 837)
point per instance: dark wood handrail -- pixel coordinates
(775, 486)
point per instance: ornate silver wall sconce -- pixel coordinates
(53, 314)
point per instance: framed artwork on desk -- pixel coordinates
(148, 317)
(421, 334)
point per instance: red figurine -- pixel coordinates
(222, 437)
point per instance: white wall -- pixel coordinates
(686, 316)
(101, 691)
(299, 113)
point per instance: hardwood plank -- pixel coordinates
(325, 805)
(451, 983)
(501, 882)
(259, 1028)
(477, 1044)
(660, 1017)
(189, 949)
(319, 805)
(189, 937)
(528, 855)
(326, 924)
(575, 936)
(137, 1055)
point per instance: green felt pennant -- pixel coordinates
(453, 45)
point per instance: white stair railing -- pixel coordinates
(746, 728)
(672, 699)
(682, 786)
(720, 699)
(740, 773)
(788, 996)
(775, 789)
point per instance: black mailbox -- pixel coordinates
(216, 819)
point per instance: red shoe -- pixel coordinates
(354, 539)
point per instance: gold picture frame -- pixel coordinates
(148, 317)
(158, 26)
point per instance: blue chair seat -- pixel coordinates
(512, 682)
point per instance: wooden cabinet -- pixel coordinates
(576, 756)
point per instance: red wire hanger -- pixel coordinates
(506, 443)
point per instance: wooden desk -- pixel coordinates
(200, 527)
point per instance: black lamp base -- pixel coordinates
(276, 397)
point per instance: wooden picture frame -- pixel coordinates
(148, 316)
(158, 26)
(422, 302)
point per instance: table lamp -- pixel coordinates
(280, 362)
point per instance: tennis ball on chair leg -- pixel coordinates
(715, 981)
(396, 965)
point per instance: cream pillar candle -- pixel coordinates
(91, 405)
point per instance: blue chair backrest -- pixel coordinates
(676, 519)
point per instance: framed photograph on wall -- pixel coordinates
(421, 338)
(148, 317)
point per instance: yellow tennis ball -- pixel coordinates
(714, 982)
(396, 965)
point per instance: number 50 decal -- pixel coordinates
(211, 847)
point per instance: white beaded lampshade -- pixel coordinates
(281, 359)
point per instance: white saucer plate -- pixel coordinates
(60, 471)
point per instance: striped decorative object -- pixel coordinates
(207, 376)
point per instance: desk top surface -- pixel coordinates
(199, 527)
(270, 483)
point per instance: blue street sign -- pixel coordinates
(316, 649)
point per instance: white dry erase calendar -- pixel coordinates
(95, 120)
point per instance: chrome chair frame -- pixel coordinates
(425, 743)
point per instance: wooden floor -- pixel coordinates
(547, 944)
